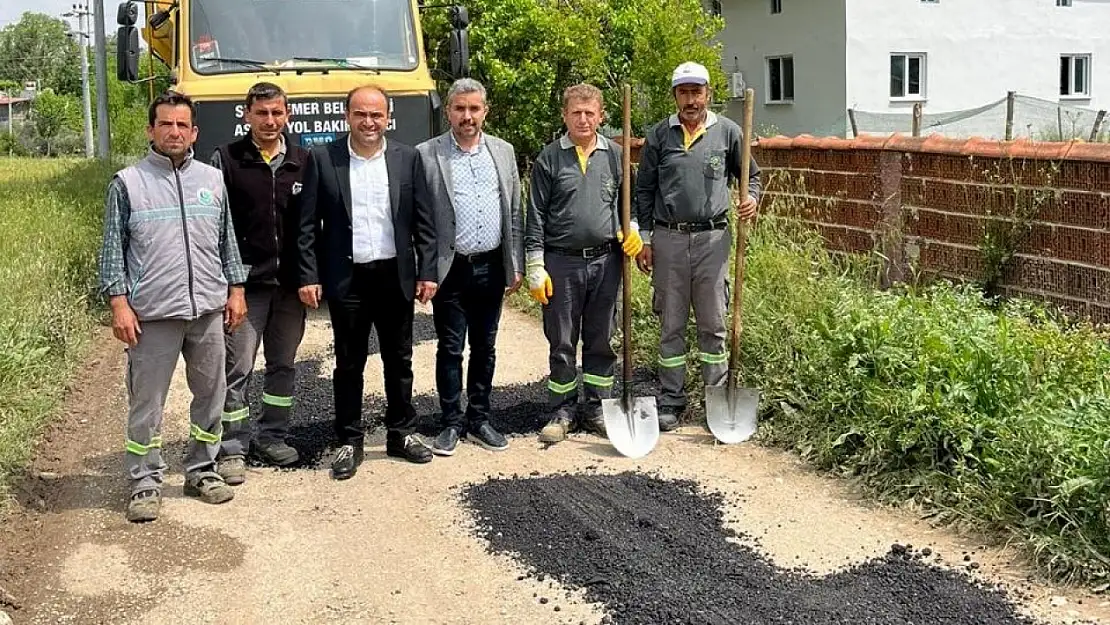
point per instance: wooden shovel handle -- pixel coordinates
(626, 268)
(741, 238)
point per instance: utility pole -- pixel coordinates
(104, 137)
(82, 14)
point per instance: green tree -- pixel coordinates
(527, 51)
(56, 121)
(38, 47)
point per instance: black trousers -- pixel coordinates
(468, 301)
(374, 300)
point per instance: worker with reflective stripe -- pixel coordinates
(572, 250)
(263, 173)
(682, 200)
(171, 269)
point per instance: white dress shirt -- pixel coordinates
(371, 217)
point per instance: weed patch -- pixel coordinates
(50, 219)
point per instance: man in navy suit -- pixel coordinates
(368, 248)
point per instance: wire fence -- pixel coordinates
(1024, 116)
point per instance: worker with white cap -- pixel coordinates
(682, 201)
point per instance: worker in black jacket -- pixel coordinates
(263, 173)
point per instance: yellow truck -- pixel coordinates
(317, 50)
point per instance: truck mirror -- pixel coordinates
(460, 53)
(158, 19)
(459, 17)
(127, 14)
(127, 53)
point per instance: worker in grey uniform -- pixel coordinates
(170, 266)
(682, 202)
(572, 259)
(264, 174)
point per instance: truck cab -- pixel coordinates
(316, 50)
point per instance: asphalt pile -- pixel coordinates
(656, 551)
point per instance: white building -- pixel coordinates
(810, 61)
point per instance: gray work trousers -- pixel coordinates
(275, 319)
(690, 268)
(583, 304)
(150, 367)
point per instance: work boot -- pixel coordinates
(668, 419)
(446, 442)
(488, 437)
(557, 428)
(593, 421)
(144, 506)
(233, 469)
(277, 453)
(209, 488)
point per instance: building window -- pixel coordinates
(780, 79)
(907, 76)
(1075, 75)
(776, 6)
(1063, 3)
(715, 8)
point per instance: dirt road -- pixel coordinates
(396, 544)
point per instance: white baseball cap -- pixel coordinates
(689, 73)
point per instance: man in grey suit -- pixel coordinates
(475, 188)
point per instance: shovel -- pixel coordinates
(731, 411)
(631, 424)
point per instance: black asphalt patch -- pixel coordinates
(655, 551)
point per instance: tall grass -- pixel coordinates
(989, 415)
(50, 216)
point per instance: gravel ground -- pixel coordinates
(399, 543)
(656, 551)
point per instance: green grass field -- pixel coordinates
(50, 216)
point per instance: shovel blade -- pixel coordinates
(633, 434)
(731, 412)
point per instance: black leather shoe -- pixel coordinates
(488, 437)
(346, 462)
(445, 443)
(411, 449)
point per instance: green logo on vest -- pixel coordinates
(204, 196)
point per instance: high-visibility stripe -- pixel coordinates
(202, 436)
(235, 415)
(597, 380)
(277, 400)
(561, 389)
(674, 361)
(714, 359)
(140, 449)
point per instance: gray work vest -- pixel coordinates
(174, 266)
